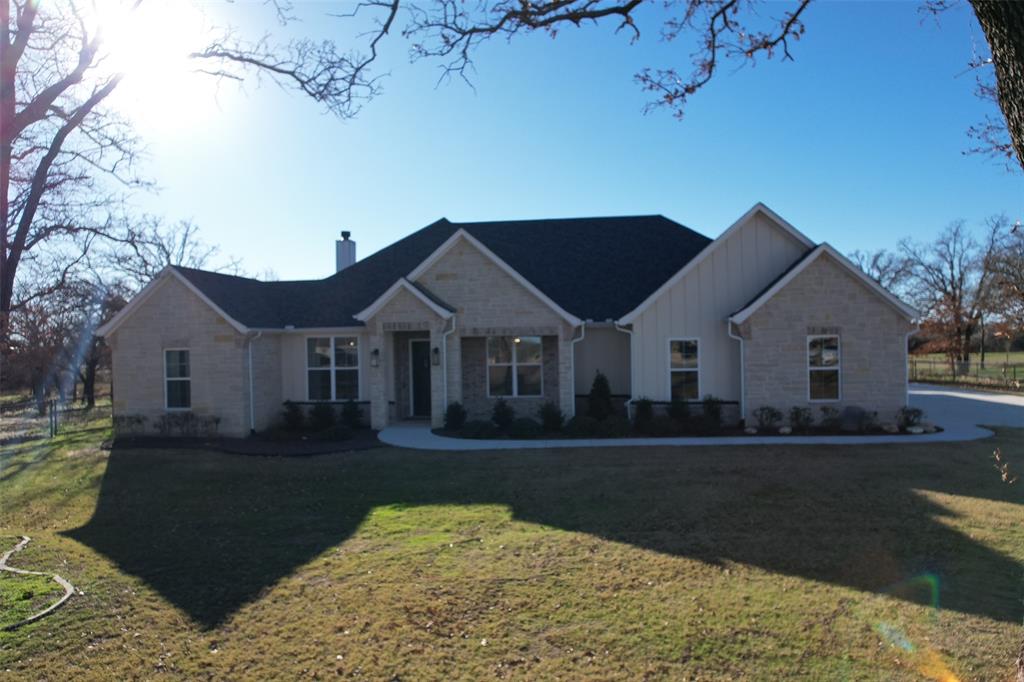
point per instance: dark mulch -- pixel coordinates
(258, 445)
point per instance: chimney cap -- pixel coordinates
(345, 234)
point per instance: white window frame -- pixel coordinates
(513, 366)
(332, 368)
(188, 379)
(668, 356)
(838, 368)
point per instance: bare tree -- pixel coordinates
(951, 280)
(889, 269)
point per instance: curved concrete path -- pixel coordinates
(958, 411)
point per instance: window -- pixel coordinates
(332, 368)
(684, 370)
(823, 367)
(177, 379)
(514, 366)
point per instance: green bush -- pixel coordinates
(503, 414)
(581, 426)
(478, 428)
(679, 410)
(351, 414)
(800, 419)
(293, 416)
(454, 416)
(551, 417)
(644, 415)
(909, 416)
(599, 402)
(767, 417)
(830, 418)
(711, 407)
(868, 422)
(525, 427)
(321, 417)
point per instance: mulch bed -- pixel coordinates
(362, 439)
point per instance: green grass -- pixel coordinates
(23, 595)
(889, 562)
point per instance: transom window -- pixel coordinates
(514, 366)
(823, 367)
(177, 379)
(684, 369)
(332, 367)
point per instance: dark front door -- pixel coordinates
(419, 366)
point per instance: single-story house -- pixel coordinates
(528, 311)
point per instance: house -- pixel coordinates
(528, 311)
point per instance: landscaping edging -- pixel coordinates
(69, 589)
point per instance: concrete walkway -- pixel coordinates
(958, 411)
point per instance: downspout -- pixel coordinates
(252, 404)
(444, 363)
(629, 401)
(572, 362)
(743, 371)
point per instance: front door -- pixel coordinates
(419, 377)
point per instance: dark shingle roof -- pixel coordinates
(595, 268)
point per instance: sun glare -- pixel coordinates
(150, 44)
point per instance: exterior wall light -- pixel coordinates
(435, 356)
(375, 357)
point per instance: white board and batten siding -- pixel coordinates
(724, 277)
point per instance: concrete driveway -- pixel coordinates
(958, 411)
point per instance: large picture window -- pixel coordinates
(177, 379)
(823, 367)
(332, 368)
(514, 366)
(684, 369)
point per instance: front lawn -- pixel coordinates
(888, 562)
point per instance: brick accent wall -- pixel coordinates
(474, 379)
(826, 298)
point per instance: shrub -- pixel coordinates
(321, 417)
(615, 426)
(767, 417)
(525, 427)
(909, 416)
(454, 416)
(599, 402)
(830, 418)
(351, 414)
(800, 418)
(293, 416)
(503, 414)
(644, 415)
(679, 410)
(712, 409)
(582, 426)
(551, 417)
(478, 428)
(868, 422)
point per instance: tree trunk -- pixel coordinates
(89, 383)
(1003, 23)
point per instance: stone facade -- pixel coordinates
(474, 380)
(826, 299)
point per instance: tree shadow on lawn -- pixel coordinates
(210, 532)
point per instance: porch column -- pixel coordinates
(436, 377)
(454, 368)
(566, 381)
(378, 384)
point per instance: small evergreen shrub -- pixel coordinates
(830, 420)
(321, 417)
(679, 411)
(551, 417)
(454, 416)
(525, 427)
(644, 415)
(351, 414)
(767, 417)
(712, 409)
(479, 428)
(800, 419)
(581, 426)
(909, 416)
(868, 422)
(293, 416)
(503, 414)
(599, 402)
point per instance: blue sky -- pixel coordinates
(858, 142)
